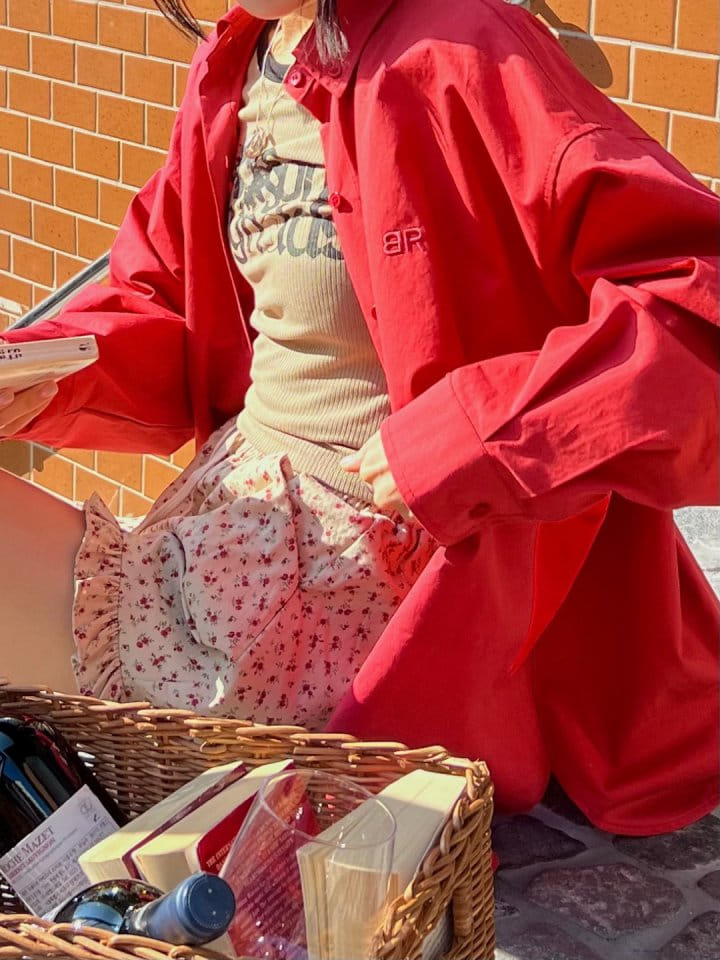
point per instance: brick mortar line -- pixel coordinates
(581, 35)
(157, 459)
(76, 215)
(631, 72)
(676, 24)
(44, 246)
(24, 279)
(640, 44)
(146, 126)
(98, 47)
(75, 85)
(670, 130)
(681, 52)
(145, 12)
(69, 126)
(104, 476)
(53, 205)
(122, 52)
(60, 209)
(623, 101)
(14, 276)
(61, 123)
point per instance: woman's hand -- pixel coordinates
(18, 409)
(371, 465)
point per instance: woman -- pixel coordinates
(475, 307)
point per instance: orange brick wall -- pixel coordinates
(88, 90)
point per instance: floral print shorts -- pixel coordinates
(246, 591)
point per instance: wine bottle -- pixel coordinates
(196, 911)
(52, 809)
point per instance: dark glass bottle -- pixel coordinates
(197, 911)
(39, 772)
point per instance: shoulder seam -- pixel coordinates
(558, 154)
(564, 146)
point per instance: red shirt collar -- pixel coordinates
(359, 19)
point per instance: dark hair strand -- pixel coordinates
(332, 44)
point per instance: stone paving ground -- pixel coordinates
(566, 891)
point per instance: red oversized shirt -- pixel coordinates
(540, 279)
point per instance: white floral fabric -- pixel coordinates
(247, 590)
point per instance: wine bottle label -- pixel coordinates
(43, 868)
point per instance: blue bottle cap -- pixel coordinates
(206, 904)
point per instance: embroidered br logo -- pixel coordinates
(402, 241)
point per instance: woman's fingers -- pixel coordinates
(352, 462)
(18, 409)
(370, 463)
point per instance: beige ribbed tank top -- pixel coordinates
(318, 391)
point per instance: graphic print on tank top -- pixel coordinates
(285, 209)
(281, 203)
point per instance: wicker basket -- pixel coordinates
(142, 754)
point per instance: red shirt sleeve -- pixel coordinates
(626, 401)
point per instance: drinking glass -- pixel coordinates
(310, 869)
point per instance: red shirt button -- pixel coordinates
(335, 200)
(296, 78)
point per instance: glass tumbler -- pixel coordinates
(311, 869)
